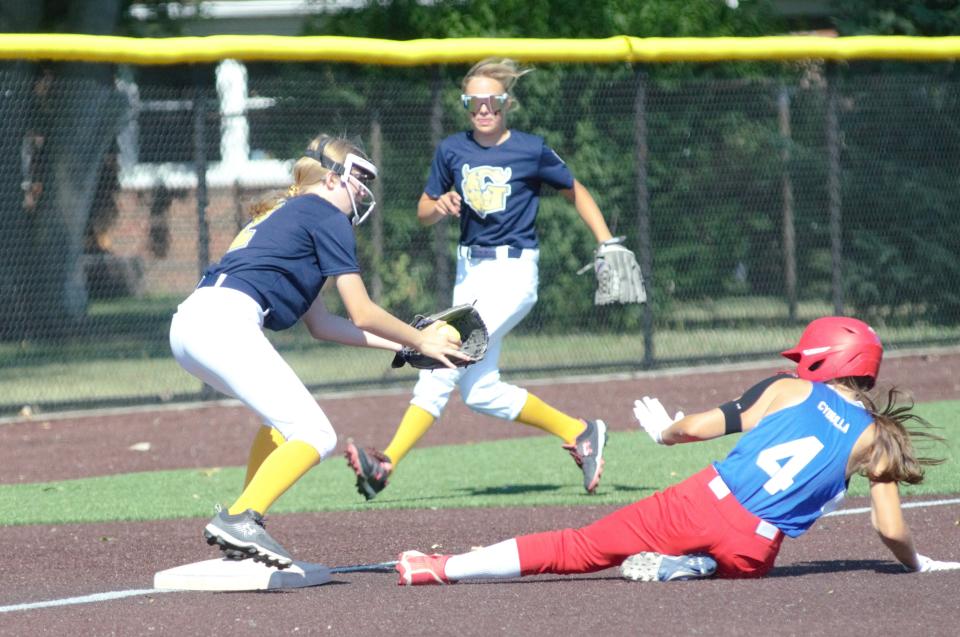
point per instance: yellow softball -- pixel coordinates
(450, 332)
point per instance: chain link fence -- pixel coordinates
(755, 198)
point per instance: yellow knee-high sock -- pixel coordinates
(265, 442)
(537, 413)
(416, 421)
(276, 474)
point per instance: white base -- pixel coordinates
(239, 575)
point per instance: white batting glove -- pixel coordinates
(929, 566)
(653, 417)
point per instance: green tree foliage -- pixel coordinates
(584, 111)
(61, 119)
(58, 123)
(410, 19)
(714, 175)
(902, 241)
(897, 17)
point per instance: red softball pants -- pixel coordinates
(698, 515)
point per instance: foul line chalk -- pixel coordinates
(903, 505)
(86, 599)
(103, 597)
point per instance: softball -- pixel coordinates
(450, 332)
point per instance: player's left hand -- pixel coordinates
(653, 418)
(472, 339)
(927, 565)
(438, 346)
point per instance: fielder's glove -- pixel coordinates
(618, 274)
(653, 417)
(473, 336)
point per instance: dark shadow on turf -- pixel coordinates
(512, 489)
(835, 566)
(626, 488)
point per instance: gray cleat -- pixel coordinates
(243, 535)
(656, 567)
(371, 467)
(587, 452)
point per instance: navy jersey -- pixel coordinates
(286, 255)
(791, 468)
(500, 185)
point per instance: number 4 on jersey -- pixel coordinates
(800, 452)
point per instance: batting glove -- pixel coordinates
(653, 417)
(927, 565)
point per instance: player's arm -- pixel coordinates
(325, 326)
(735, 416)
(370, 317)
(887, 519)
(704, 425)
(430, 210)
(886, 515)
(588, 210)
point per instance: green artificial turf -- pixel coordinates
(531, 471)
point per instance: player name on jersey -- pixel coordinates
(833, 417)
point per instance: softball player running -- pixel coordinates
(489, 178)
(806, 436)
(270, 277)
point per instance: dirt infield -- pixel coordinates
(837, 579)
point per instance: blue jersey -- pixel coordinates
(791, 468)
(499, 185)
(286, 255)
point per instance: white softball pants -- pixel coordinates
(505, 290)
(217, 335)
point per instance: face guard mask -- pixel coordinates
(494, 103)
(357, 171)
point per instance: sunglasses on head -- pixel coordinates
(494, 103)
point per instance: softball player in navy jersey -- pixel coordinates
(490, 178)
(806, 436)
(271, 277)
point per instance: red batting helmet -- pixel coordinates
(837, 347)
